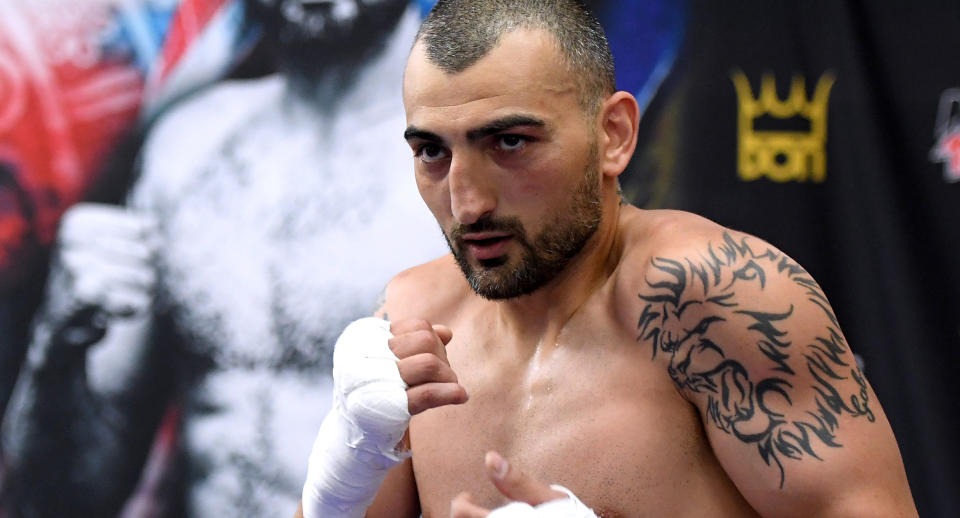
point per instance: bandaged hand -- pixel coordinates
(531, 498)
(382, 374)
(103, 270)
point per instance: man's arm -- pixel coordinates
(749, 338)
(383, 374)
(94, 385)
(397, 497)
(75, 440)
(418, 362)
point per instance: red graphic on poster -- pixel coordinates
(187, 25)
(62, 105)
(947, 148)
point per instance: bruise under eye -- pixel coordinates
(430, 153)
(512, 142)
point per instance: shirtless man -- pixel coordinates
(650, 363)
(251, 222)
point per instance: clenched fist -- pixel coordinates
(422, 360)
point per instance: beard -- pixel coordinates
(316, 39)
(543, 257)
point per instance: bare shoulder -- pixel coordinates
(650, 233)
(433, 291)
(750, 339)
(696, 283)
(648, 238)
(701, 254)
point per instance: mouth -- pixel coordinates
(486, 245)
(320, 4)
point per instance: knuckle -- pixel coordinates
(430, 365)
(394, 345)
(399, 345)
(426, 340)
(424, 335)
(405, 366)
(430, 395)
(420, 323)
(412, 343)
(420, 369)
(415, 325)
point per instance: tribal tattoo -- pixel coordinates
(755, 406)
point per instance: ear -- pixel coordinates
(618, 119)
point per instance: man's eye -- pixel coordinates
(511, 142)
(431, 153)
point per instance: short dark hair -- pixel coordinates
(458, 33)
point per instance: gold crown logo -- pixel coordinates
(782, 155)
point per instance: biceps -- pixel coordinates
(749, 337)
(791, 466)
(793, 415)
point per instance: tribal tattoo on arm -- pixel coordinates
(753, 400)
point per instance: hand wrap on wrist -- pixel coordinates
(356, 445)
(570, 507)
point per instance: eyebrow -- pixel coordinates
(491, 128)
(413, 132)
(503, 124)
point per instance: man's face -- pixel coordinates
(506, 161)
(540, 259)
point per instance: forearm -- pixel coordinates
(62, 440)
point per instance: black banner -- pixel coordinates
(832, 130)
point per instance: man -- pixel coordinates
(648, 363)
(252, 222)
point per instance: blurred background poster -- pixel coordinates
(232, 171)
(77, 77)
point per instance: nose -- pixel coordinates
(472, 188)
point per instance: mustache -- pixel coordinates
(511, 225)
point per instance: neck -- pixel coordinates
(540, 317)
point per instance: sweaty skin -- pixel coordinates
(593, 410)
(673, 368)
(586, 409)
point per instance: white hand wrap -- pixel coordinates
(356, 445)
(564, 508)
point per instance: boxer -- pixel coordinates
(626, 362)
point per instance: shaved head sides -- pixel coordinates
(458, 33)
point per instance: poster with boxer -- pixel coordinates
(77, 78)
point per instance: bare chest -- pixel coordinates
(594, 417)
(279, 240)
